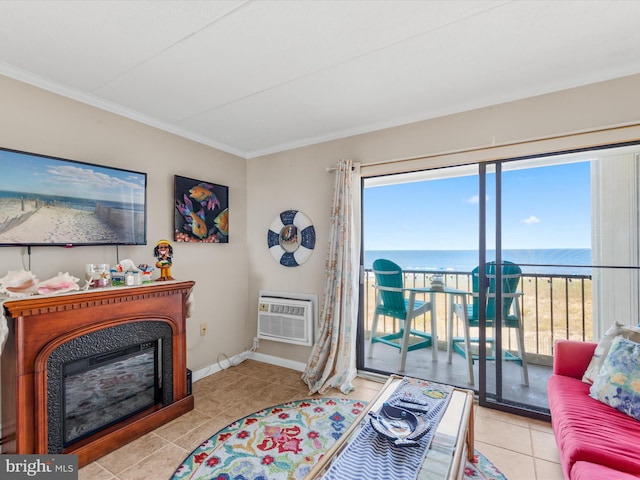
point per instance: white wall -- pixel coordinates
(37, 121)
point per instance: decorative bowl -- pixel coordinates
(400, 426)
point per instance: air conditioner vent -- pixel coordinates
(285, 320)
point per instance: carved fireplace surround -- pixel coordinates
(40, 328)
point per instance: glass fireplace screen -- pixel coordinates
(104, 389)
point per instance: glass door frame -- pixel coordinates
(484, 399)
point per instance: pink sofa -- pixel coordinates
(596, 441)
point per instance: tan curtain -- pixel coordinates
(332, 361)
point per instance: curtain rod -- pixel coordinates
(333, 169)
(494, 145)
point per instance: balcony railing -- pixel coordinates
(553, 306)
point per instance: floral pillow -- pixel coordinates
(618, 383)
(632, 333)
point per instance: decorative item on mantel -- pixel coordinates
(97, 275)
(164, 253)
(127, 273)
(17, 284)
(61, 283)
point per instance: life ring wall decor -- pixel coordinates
(291, 238)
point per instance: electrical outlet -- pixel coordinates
(203, 329)
(256, 343)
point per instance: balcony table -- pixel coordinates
(451, 293)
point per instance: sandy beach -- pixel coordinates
(51, 224)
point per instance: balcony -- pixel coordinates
(553, 307)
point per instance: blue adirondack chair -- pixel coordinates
(511, 317)
(391, 302)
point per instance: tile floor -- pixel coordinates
(521, 448)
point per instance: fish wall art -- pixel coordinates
(201, 212)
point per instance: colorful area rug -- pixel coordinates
(285, 442)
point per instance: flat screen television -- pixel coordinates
(49, 201)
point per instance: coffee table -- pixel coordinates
(451, 446)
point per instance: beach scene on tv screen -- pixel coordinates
(55, 201)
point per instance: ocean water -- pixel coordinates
(575, 261)
(77, 203)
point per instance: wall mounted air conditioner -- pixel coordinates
(285, 320)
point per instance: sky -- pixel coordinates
(543, 207)
(34, 174)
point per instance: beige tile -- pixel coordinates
(93, 471)
(289, 378)
(544, 446)
(540, 425)
(250, 386)
(218, 382)
(246, 407)
(547, 470)
(503, 434)
(259, 370)
(514, 465)
(241, 392)
(192, 439)
(181, 425)
(210, 405)
(302, 394)
(364, 394)
(122, 458)
(233, 404)
(274, 394)
(160, 465)
(490, 413)
(367, 383)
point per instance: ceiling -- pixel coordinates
(257, 77)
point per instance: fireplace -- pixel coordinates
(103, 389)
(85, 373)
(98, 379)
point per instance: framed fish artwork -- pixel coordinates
(201, 211)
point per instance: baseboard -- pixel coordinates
(237, 359)
(280, 362)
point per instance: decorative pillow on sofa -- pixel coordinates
(618, 383)
(617, 329)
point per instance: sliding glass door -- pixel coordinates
(538, 230)
(428, 224)
(544, 247)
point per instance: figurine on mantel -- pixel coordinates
(163, 253)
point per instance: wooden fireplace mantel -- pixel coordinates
(39, 324)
